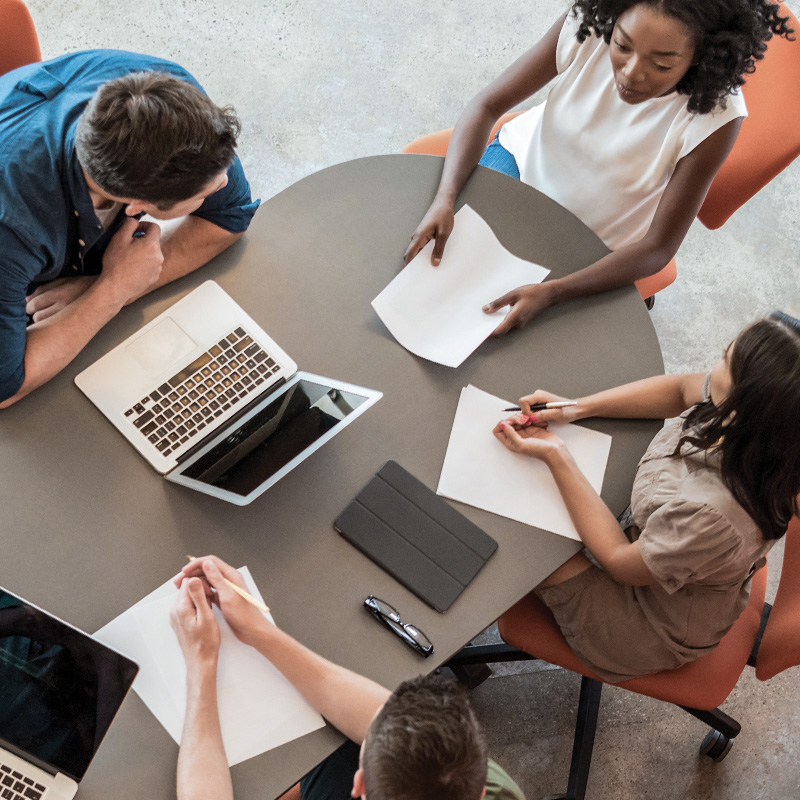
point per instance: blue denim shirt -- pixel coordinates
(48, 227)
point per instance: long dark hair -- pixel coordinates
(730, 36)
(757, 425)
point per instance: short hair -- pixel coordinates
(756, 425)
(730, 36)
(153, 137)
(425, 744)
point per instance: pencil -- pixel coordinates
(241, 592)
(543, 406)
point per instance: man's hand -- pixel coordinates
(52, 297)
(133, 259)
(436, 224)
(526, 302)
(196, 627)
(245, 619)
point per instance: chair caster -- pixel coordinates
(650, 302)
(716, 745)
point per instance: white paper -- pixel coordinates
(436, 312)
(259, 709)
(480, 471)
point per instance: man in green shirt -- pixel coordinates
(420, 742)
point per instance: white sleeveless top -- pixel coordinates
(605, 160)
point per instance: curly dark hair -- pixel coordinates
(757, 426)
(730, 36)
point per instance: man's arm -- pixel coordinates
(190, 244)
(347, 700)
(202, 766)
(130, 265)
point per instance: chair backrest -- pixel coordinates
(19, 44)
(769, 139)
(780, 645)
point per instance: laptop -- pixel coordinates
(215, 404)
(60, 690)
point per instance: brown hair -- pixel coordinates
(757, 425)
(425, 744)
(150, 136)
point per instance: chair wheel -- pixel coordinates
(716, 745)
(650, 302)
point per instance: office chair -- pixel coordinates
(764, 636)
(768, 141)
(19, 44)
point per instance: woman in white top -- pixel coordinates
(642, 113)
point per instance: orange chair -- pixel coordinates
(765, 636)
(769, 140)
(19, 44)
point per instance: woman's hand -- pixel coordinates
(436, 224)
(568, 414)
(195, 626)
(526, 302)
(528, 440)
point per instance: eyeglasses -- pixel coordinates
(410, 634)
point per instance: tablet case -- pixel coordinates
(416, 536)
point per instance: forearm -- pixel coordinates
(347, 700)
(595, 524)
(658, 397)
(203, 772)
(52, 344)
(190, 244)
(619, 268)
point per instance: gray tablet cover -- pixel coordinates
(416, 536)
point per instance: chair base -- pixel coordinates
(716, 744)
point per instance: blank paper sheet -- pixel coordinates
(480, 471)
(259, 709)
(436, 312)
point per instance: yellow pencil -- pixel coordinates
(241, 592)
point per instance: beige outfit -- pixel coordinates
(702, 548)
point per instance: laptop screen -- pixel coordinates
(59, 688)
(275, 435)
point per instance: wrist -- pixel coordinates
(108, 289)
(201, 670)
(446, 196)
(558, 458)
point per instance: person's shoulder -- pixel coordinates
(115, 63)
(500, 785)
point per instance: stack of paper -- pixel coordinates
(259, 709)
(480, 471)
(436, 312)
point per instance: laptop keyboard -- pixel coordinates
(194, 397)
(16, 786)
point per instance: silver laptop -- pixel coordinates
(213, 403)
(59, 692)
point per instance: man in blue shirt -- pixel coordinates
(89, 143)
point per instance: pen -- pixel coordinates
(543, 406)
(241, 592)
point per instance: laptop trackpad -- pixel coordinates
(161, 346)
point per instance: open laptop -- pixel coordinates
(213, 403)
(60, 689)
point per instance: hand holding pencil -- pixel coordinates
(243, 612)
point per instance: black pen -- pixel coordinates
(543, 406)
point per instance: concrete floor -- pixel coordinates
(318, 82)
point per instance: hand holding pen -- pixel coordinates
(542, 407)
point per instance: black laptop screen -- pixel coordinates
(270, 439)
(59, 688)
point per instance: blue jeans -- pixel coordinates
(496, 157)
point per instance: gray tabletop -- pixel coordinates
(88, 528)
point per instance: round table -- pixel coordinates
(89, 528)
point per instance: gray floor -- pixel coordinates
(318, 82)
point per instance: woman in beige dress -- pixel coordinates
(714, 491)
